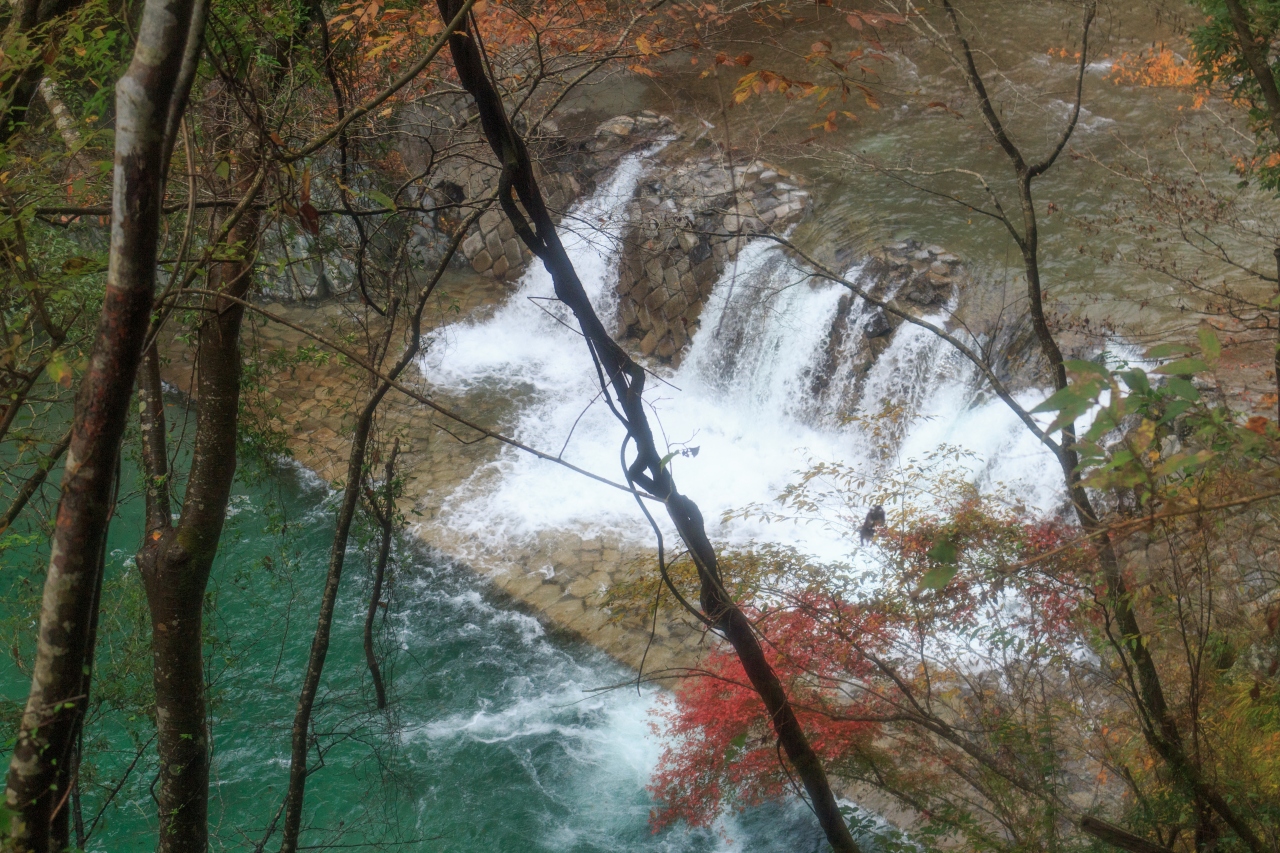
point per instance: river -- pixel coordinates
(501, 737)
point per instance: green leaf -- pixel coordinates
(1174, 409)
(1118, 478)
(1076, 365)
(1183, 367)
(938, 577)
(1136, 379)
(1185, 461)
(1064, 398)
(1210, 347)
(223, 170)
(740, 741)
(1167, 350)
(1184, 389)
(59, 370)
(6, 819)
(382, 199)
(662, 463)
(943, 551)
(1102, 424)
(1122, 457)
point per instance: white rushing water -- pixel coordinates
(744, 395)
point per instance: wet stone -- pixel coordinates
(878, 325)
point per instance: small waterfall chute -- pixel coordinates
(780, 362)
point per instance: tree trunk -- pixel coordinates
(28, 36)
(386, 515)
(38, 779)
(300, 734)
(175, 560)
(626, 379)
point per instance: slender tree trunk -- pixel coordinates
(175, 559)
(1159, 727)
(626, 378)
(300, 734)
(1255, 56)
(38, 778)
(62, 119)
(386, 520)
(33, 33)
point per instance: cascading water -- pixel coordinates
(499, 736)
(760, 392)
(508, 742)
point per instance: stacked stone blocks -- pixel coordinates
(687, 224)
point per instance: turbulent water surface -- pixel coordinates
(502, 738)
(743, 395)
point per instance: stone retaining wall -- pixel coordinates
(688, 223)
(564, 176)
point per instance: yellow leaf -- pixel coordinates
(59, 371)
(1143, 435)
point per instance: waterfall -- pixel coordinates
(779, 375)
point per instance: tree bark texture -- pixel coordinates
(386, 516)
(625, 378)
(1117, 837)
(38, 782)
(1255, 56)
(175, 559)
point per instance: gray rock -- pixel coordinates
(878, 326)
(924, 296)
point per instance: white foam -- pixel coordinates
(745, 396)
